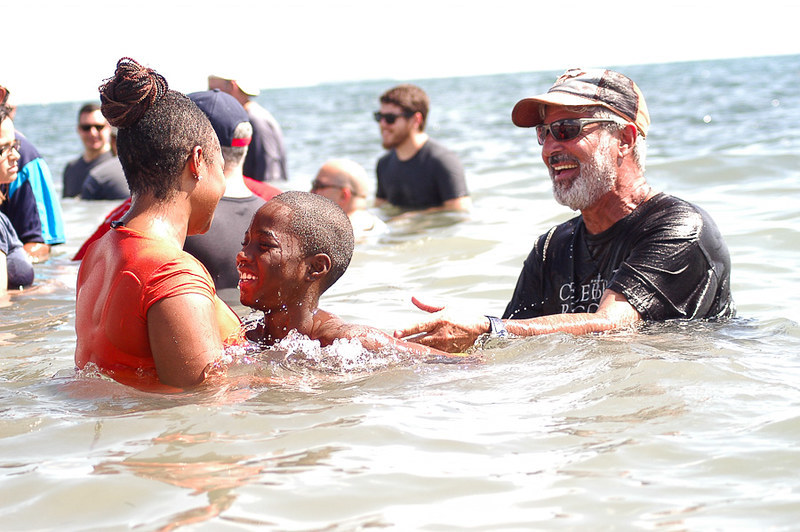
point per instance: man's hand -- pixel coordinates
(443, 331)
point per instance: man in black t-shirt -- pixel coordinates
(633, 254)
(417, 173)
(95, 134)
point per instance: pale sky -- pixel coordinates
(61, 50)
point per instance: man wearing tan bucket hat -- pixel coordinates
(632, 254)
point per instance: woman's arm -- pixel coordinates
(184, 338)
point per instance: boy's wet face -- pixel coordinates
(271, 263)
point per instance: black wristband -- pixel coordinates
(497, 328)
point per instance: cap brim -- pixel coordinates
(245, 86)
(527, 111)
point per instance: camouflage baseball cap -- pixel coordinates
(577, 87)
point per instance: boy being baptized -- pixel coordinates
(299, 244)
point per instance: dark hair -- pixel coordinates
(88, 108)
(158, 128)
(322, 227)
(411, 98)
(5, 110)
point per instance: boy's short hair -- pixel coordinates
(322, 227)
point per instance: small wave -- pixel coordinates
(298, 353)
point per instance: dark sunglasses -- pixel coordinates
(13, 146)
(391, 117)
(88, 127)
(566, 129)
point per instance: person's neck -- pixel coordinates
(362, 220)
(409, 147)
(235, 186)
(298, 316)
(251, 106)
(91, 155)
(241, 97)
(354, 206)
(616, 205)
(166, 221)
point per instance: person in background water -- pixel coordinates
(146, 312)
(106, 180)
(266, 156)
(345, 183)
(297, 246)
(95, 134)
(16, 270)
(417, 173)
(31, 202)
(217, 248)
(632, 254)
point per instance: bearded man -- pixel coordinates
(632, 254)
(417, 173)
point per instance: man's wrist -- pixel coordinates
(496, 327)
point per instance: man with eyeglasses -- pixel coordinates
(633, 254)
(95, 134)
(345, 183)
(418, 173)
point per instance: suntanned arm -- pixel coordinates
(184, 338)
(613, 312)
(464, 203)
(331, 327)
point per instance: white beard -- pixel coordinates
(596, 178)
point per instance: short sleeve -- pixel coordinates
(177, 277)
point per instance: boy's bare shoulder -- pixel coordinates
(329, 327)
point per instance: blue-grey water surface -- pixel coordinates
(677, 426)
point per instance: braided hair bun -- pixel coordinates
(127, 96)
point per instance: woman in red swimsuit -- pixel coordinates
(147, 313)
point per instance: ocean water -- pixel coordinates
(676, 426)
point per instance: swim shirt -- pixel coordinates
(432, 176)
(105, 181)
(667, 258)
(77, 170)
(121, 276)
(31, 202)
(266, 155)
